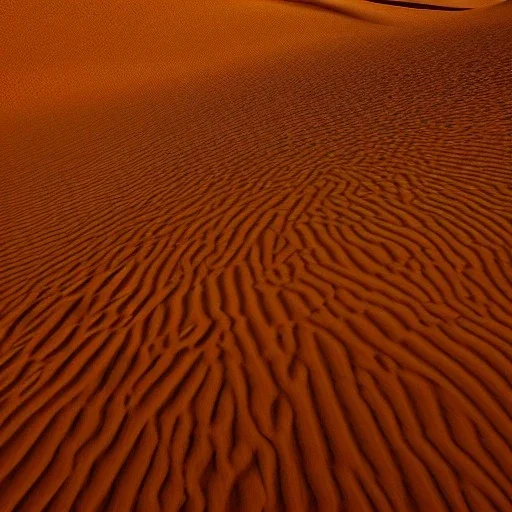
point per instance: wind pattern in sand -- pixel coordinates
(312, 316)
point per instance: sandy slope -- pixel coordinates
(255, 255)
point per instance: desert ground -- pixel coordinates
(256, 255)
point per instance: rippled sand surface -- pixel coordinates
(256, 255)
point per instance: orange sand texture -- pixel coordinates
(255, 255)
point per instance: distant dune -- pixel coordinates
(256, 255)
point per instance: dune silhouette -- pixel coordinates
(414, 5)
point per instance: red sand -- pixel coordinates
(255, 255)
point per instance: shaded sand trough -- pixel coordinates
(255, 256)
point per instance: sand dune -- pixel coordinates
(256, 255)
